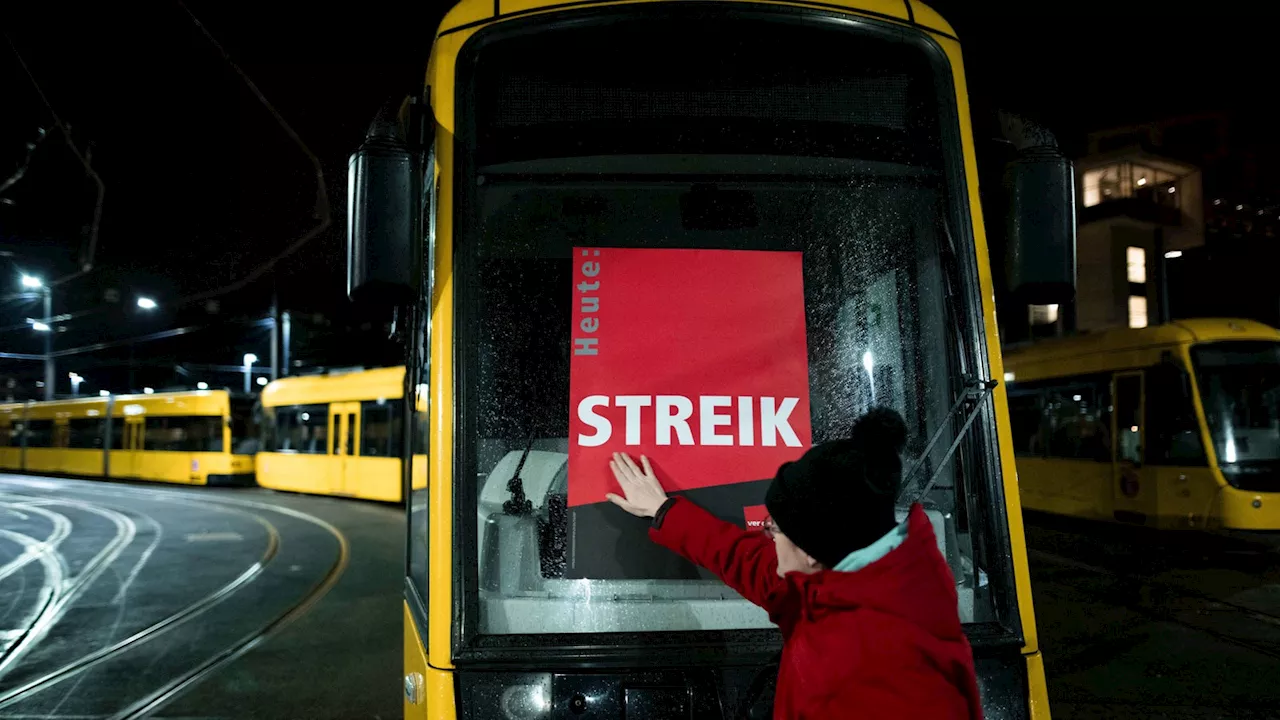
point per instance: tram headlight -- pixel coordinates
(487, 695)
(527, 702)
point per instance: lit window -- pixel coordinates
(1136, 259)
(1044, 314)
(1137, 311)
(1101, 184)
(1127, 180)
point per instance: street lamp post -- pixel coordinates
(249, 360)
(75, 383)
(48, 342)
(31, 282)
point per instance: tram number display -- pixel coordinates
(696, 359)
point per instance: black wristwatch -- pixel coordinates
(662, 512)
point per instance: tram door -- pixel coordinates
(1133, 487)
(134, 432)
(345, 431)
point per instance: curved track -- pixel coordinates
(117, 600)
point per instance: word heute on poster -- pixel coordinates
(694, 358)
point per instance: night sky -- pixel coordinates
(203, 186)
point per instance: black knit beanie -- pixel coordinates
(839, 496)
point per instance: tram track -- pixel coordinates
(174, 687)
(187, 613)
(67, 592)
(61, 529)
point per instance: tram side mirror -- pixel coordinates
(383, 213)
(1041, 222)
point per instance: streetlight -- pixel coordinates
(249, 360)
(31, 282)
(75, 383)
(202, 385)
(262, 381)
(104, 393)
(147, 390)
(146, 303)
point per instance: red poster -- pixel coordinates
(695, 358)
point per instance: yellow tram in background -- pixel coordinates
(204, 437)
(1171, 426)
(338, 434)
(839, 130)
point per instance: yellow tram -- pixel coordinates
(204, 437)
(1170, 426)
(837, 130)
(337, 434)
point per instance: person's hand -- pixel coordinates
(644, 494)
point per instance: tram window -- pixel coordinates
(1240, 388)
(1129, 418)
(117, 433)
(15, 433)
(418, 508)
(85, 433)
(302, 429)
(39, 433)
(380, 428)
(184, 434)
(1027, 417)
(1173, 431)
(873, 287)
(244, 427)
(1078, 423)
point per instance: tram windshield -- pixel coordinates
(1240, 389)
(830, 145)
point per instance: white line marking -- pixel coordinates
(54, 579)
(70, 590)
(214, 537)
(142, 560)
(61, 529)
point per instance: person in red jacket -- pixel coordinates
(867, 605)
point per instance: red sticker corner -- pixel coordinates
(755, 516)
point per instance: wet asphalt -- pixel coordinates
(1145, 624)
(133, 600)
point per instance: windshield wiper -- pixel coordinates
(975, 391)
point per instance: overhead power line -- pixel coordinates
(323, 211)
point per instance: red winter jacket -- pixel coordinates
(882, 642)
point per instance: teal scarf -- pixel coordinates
(863, 557)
